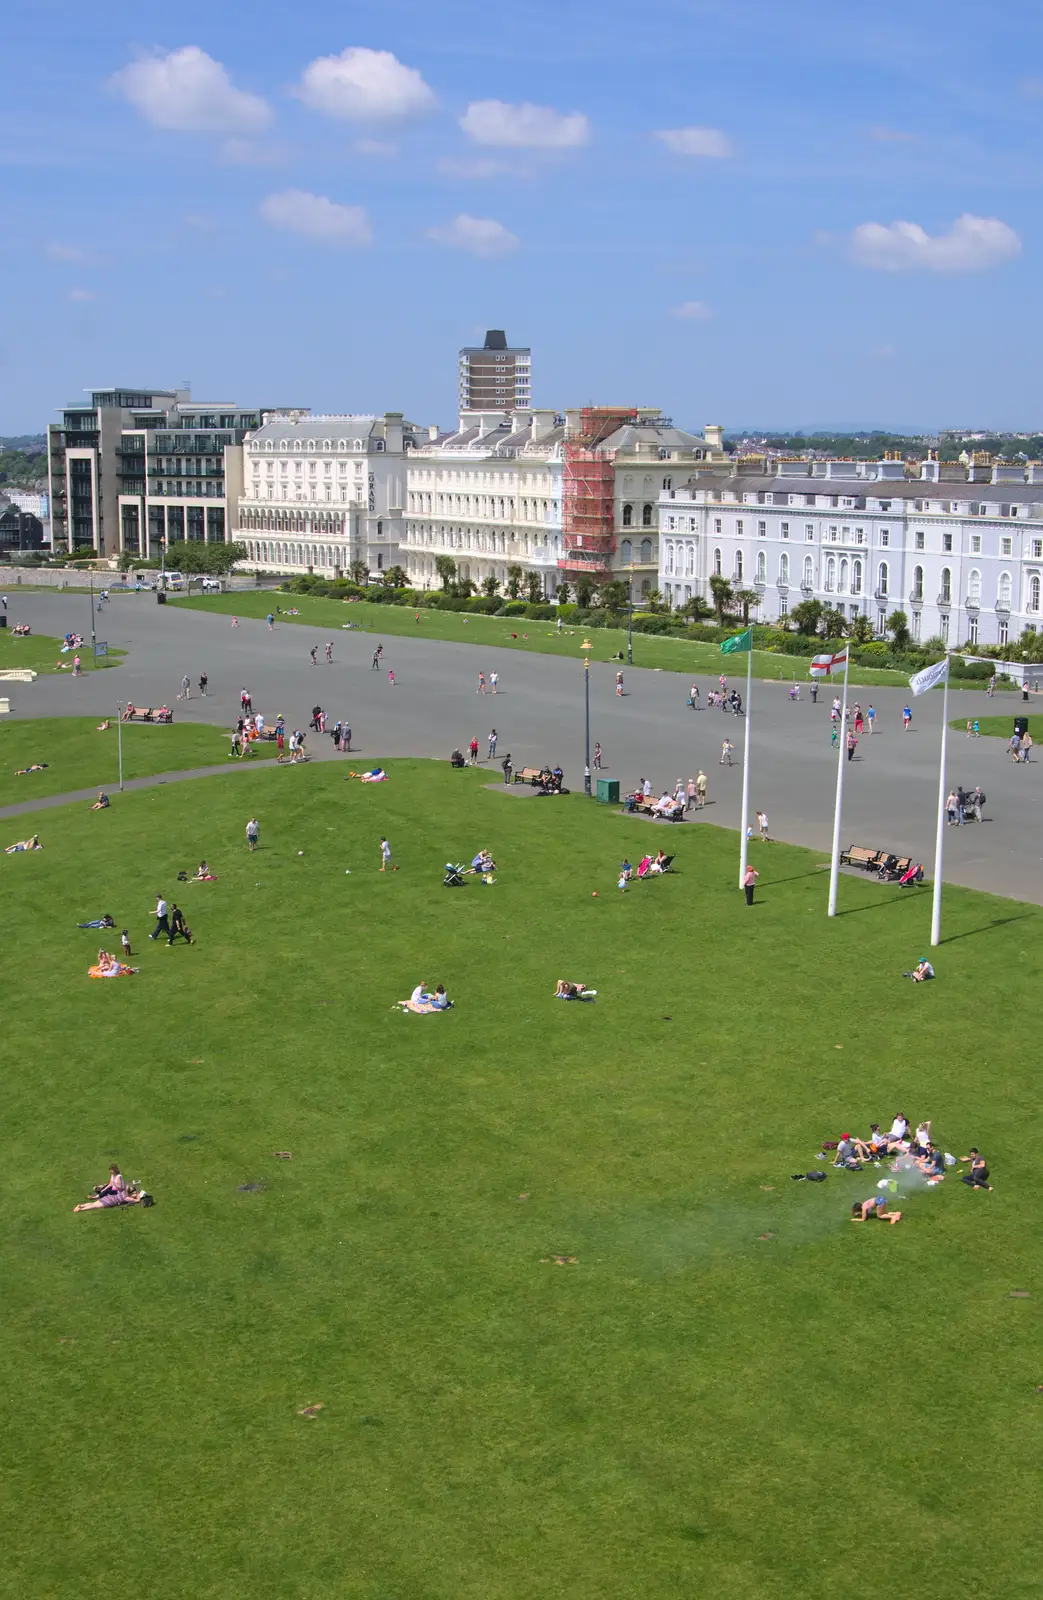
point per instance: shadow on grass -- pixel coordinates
(998, 922)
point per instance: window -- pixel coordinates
(881, 580)
(885, 537)
(917, 594)
(717, 563)
(1034, 593)
(1003, 593)
(881, 622)
(808, 580)
(646, 552)
(856, 577)
(738, 566)
(1006, 546)
(717, 526)
(762, 530)
(1037, 549)
(809, 531)
(918, 542)
(784, 567)
(972, 630)
(1004, 631)
(628, 516)
(946, 595)
(974, 588)
(946, 541)
(784, 530)
(975, 544)
(783, 605)
(668, 483)
(762, 567)
(689, 562)
(831, 574)
(646, 516)
(832, 533)
(843, 575)
(626, 552)
(739, 526)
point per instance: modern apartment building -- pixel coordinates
(323, 493)
(958, 549)
(495, 377)
(134, 469)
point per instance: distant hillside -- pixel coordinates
(23, 461)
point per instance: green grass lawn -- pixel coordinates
(993, 727)
(734, 1391)
(520, 633)
(41, 654)
(78, 756)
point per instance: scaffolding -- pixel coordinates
(588, 493)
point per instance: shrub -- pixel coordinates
(540, 612)
(567, 611)
(516, 608)
(874, 654)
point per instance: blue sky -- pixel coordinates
(774, 212)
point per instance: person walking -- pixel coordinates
(859, 722)
(391, 677)
(492, 744)
(814, 692)
(508, 770)
(852, 744)
(280, 741)
(253, 834)
(271, 622)
(185, 688)
(481, 684)
(726, 753)
(691, 795)
(835, 709)
(76, 672)
(1026, 746)
(345, 737)
(312, 653)
(162, 924)
(375, 663)
(762, 823)
(907, 718)
(473, 748)
(203, 681)
(597, 758)
(749, 882)
(177, 925)
(870, 717)
(619, 684)
(693, 698)
(385, 857)
(494, 678)
(329, 652)
(235, 622)
(700, 787)
(977, 728)
(977, 801)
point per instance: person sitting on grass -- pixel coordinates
(108, 967)
(978, 1177)
(866, 1210)
(102, 802)
(932, 1162)
(37, 766)
(114, 1196)
(440, 1000)
(625, 869)
(660, 862)
(849, 1153)
(24, 844)
(103, 727)
(921, 972)
(203, 874)
(422, 1003)
(573, 991)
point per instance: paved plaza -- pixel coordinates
(890, 793)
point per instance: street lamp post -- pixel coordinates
(630, 615)
(586, 708)
(119, 739)
(93, 635)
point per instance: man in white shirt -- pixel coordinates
(646, 788)
(162, 925)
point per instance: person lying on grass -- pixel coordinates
(866, 1210)
(114, 1193)
(99, 922)
(37, 766)
(573, 991)
(24, 844)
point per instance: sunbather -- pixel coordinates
(866, 1210)
(115, 1193)
(99, 922)
(203, 873)
(422, 1003)
(24, 844)
(109, 967)
(36, 766)
(573, 991)
(661, 862)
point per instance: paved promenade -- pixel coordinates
(890, 788)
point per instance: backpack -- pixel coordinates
(816, 1177)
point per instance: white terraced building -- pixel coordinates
(321, 493)
(488, 496)
(962, 557)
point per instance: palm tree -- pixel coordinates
(445, 566)
(490, 585)
(563, 593)
(749, 599)
(584, 591)
(807, 616)
(722, 596)
(834, 624)
(534, 588)
(898, 628)
(514, 581)
(394, 578)
(613, 595)
(358, 572)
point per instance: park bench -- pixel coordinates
(529, 775)
(857, 856)
(148, 715)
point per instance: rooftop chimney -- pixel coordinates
(495, 339)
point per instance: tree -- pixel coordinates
(834, 623)
(861, 631)
(358, 572)
(807, 616)
(563, 593)
(464, 588)
(490, 585)
(898, 628)
(193, 555)
(445, 566)
(654, 600)
(514, 581)
(697, 608)
(534, 588)
(394, 578)
(722, 595)
(126, 561)
(749, 599)
(584, 591)
(614, 595)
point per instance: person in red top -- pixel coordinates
(473, 747)
(749, 882)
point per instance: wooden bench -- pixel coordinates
(529, 775)
(149, 716)
(858, 856)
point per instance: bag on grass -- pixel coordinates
(815, 1177)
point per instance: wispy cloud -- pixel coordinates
(883, 135)
(709, 142)
(524, 127)
(70, 253)
(81, 296)
(692, 311)
(971, 244)
(478, 236)
(315, 217)
(379, 149)
(365, 86)
(189, 92)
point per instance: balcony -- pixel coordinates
(973, 604)
(807, 590)
(944, 600)
(916, 597)
(1003, 608)
(880, 593)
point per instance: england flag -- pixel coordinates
(822, 666)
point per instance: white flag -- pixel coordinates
(920, 682)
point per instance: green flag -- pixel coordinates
(741, 641)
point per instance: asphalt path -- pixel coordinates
(890, 788)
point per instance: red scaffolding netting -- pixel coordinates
(588, 491)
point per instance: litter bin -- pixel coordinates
(608, 791)
(161, 598)
(3, 619)
(1021, 726)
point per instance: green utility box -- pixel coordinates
(608, 791)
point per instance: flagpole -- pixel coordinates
(745, 846)
(936, 903)
(834, 865)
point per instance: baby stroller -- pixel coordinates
(457, 759)
(454, 876)
(913, 876)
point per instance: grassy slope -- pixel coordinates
(692, 1409)
(671, 655)
(42, 654)
(994, 727)
(79, 757)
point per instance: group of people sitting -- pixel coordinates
(21, 630)
(648, 866)
(550, 780)
(422, 1002)
(109, 966)
(573, 991)
(483, 866)
(912, 1151)
(115, 1192)
(72, 641)
(147, 713)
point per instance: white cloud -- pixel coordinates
(692, 311)
(524, 127)
(364, 86)
(315, 217)
(479, 236)
(696, 141)
(79, 296)
(190, 92)
(471, 167)
(68, 252)
(971, 244)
